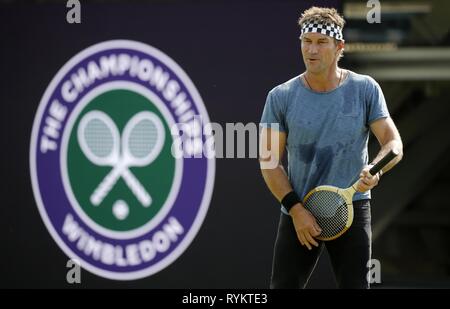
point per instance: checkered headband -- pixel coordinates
(329, 29)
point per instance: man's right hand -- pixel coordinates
(305, 225)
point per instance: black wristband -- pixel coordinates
(289, 200)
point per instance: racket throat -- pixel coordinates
(107, 184)
(354, 188)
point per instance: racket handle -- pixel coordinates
(383, 162)
(105, 186)
(137, 188)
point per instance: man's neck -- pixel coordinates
(324, 81)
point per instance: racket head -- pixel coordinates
(142, 139)
(99, 138)
(332, 207)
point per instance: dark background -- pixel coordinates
(234, 52)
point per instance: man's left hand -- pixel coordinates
(367, 181)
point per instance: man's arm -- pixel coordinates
(272, 146)
(389, 138)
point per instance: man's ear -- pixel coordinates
(340, 46)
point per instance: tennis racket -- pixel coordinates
(332, 207)
(142, 141)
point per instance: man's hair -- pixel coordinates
(322, 16)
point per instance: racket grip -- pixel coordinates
(383, 162)
(105, 186)
(137, 188)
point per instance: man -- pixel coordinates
(323, 118)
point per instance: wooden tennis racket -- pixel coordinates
(333, 207)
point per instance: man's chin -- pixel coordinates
(313, 69)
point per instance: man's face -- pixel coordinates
(319, 52)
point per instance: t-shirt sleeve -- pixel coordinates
(376, 103)
(273, 112)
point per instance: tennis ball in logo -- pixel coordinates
(120, 209)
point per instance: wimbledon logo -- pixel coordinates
(107, 186)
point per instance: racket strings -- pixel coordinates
(330, 211)
(99, 138)
(143, 138)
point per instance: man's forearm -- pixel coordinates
(394, 144)
(277, 181)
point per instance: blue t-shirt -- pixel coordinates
(327, 132)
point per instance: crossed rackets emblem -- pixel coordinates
(139, 145)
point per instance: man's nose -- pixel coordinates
(313, 48)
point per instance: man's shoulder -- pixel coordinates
(362, 79)
(285, 87)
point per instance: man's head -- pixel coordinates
(322, 40)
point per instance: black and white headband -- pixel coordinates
(328, 29)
